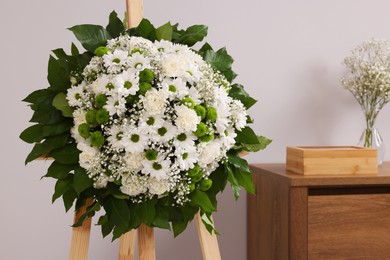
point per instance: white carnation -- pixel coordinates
(209, 153)
(154, 101)
(88, 157)
(187, 119)
(157, 187)
(133, 161)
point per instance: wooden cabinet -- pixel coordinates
(300, 217)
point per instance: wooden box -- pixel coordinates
(331, 160)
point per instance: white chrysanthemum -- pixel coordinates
(184, 140)
(134, 140)
(164, 46)
(139, 62)
(187, 119)
(75, 95)
(115, 61)
(192, 73)
(154, 101)
(195, 95)
(177, 88)
(116, 104)
(115, 136)
(228, 138)
(209, 154)
(127, 83)
(150, 123)
(158, 187)
(157, 168)
(103, 84)
(239, 114)
(223, 114)
(186, 156)
(165, 133)
(133, 161)
(87, 157)
(133, 184)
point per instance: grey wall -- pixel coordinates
(288, 54)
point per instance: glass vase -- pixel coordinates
(370, 137)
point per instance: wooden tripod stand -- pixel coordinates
(146, 244)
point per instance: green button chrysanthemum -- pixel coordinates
(97, 139)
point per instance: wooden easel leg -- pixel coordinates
(146, 245)
(208, 242)
(80, 236)
(126, 246)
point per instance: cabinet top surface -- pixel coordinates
(279, 171)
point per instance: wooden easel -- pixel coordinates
(146, 244)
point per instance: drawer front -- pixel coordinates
(349, 226)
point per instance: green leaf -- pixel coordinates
(66, 155)
(208, 223)
(32, 134)
(38, 96)
(161, 219)
(36, 152)
(238, 92)
(146, 30)
(58, 128)
(233, 181)
(68, 198)
(91, 36)
(117, 211)
(60, 53)
(59, 171)
(105, 224)
(247, 136)
(62, 186)
(244, 178)
(61, 103)
(193, 34)
(58, 75)
(205, 47)
(180, 224)
(81, 181)
(238, 162)
(146, 211)
(164, 32)
(54, 142)
(115, 26)
(220, 60)
(46, 115)
(263, 143)
(229, 74)
(113, 189)
(200, 198)
(74, 50)
(178, 227)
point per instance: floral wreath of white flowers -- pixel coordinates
(146, 126)
(152, 115)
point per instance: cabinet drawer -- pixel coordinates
(349, 226)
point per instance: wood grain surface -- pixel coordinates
(349, 226)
